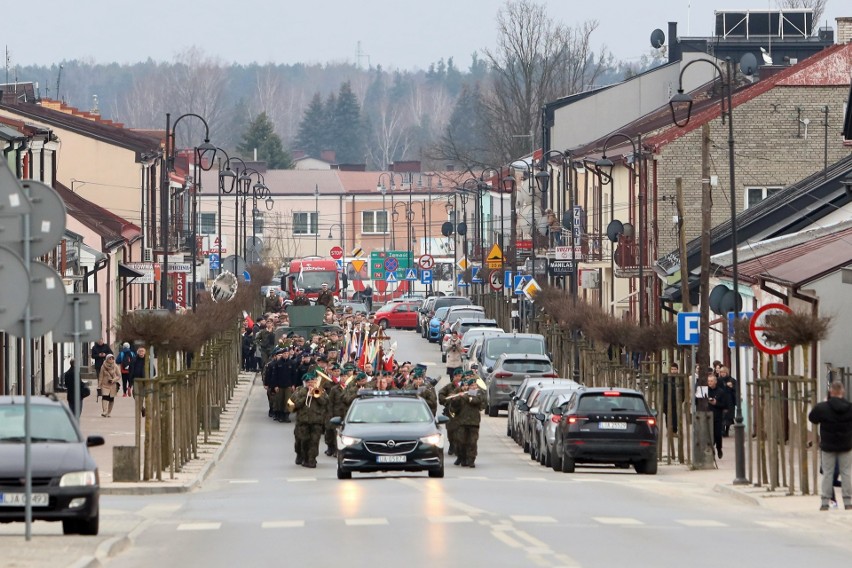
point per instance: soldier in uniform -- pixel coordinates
(355, 385)
(272, 303)
(265, 341)
(325, 297)
(312, 407)
(277, 384)
(452, 426)
(425, 391)
(336, 408)
(301, 299)
(467, 408)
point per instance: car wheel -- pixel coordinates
(546, 460)
(567, 464)
(526, 447)
(556, 461)
(90, 526)
(533, 453)
(437, 472)
(647, 467)
(343, 474)
(493, 411)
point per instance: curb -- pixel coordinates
(729, 491)
(146, 488)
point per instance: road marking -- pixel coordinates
(451, 519)
(531, 478)
(282, 524)
(473, 477)
(243, 481)
(707, 523)
(199, 526)
(540, 546)
(300, 479)
(617, 521)
(531, 519)
(772, 524)
(506, 539)
(366, 522)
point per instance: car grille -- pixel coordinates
(19, 481)
(391, 447)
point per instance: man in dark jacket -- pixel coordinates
(718, 402)
(99, 352)
(325, 297)
(834, 417)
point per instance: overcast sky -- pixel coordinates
(403, 34)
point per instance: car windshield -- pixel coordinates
(459, 314)
(312, 280)
(521, 345)
(522, 366)
(386, 308)
(390, 411)
(594, 402)
(50, 423)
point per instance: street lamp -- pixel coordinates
(238, 179)
(395, 216)
(682, 103)
(316, 212)
(200, 153)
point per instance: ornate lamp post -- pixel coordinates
(380, 187)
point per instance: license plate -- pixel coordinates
(613, 425)
(19, 500)
(390, 459)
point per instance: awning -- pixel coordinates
(125, 271)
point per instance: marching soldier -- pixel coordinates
(426, 392)
(355, 385)
(467, 408)
(446, 391)
(276, 384)
(311, 404)
(336, 407)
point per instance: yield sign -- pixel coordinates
(357, 265)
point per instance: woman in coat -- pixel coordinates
(109, 382)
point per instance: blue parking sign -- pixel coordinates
(688, 328)
(425, 276)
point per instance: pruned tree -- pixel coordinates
(818, 7)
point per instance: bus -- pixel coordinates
(309, 274)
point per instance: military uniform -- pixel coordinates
(452, 426)
(337, 407)
(467, 409)
(310, 423)
(326, 298)
(301, 300)
(265, 341)
(427, 393)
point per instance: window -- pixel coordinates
(305, 223)
(258, 223)
(755, 195)
(374, 222)
(207, 223)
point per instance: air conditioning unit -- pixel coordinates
(590, 279)
(147, 255)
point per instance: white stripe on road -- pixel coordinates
(199, 526)
(707, 523)
(451, 519)
(282, 524)
(300, 479)
(242, 481)
(772, 524)
(531, 519)
(366, 522)
(531, 478)
(506, 539)
(473, 477)
(617, 521)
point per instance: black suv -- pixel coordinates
(65, 479)
(612, 426)
(385, 431)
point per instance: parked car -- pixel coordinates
(549, 416)
(607, 425)
(398, 314)
(540, 399)
(510, 343)
(460, 326)
(474, 333)
(433, 330)
(519, 395)
(389, 433)
(65, 481)
(456, 313)
(508, 372)
(429, 309)
(422, 320)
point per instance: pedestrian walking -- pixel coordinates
(717, 401)
(99, 352)
(71, 388)
(109, 381)
(731, 386)
(454, 354)
(125, 364)
(834, 418)
(140, 361)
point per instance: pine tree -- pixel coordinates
(348, 128)
(260, 135)
(312, 133)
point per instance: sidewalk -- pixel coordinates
(118, 430)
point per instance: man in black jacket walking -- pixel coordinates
(834, 417)
(717, 402)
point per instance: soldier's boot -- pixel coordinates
(458, 461)
(299, 460)
(286, 417)
(311, 464)
(451, 451)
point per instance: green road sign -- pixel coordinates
(377, 263)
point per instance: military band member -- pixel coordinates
(452, 426)
(311, 404)
(336, 407)
(357, 384)
(426, 392)
(467, 409)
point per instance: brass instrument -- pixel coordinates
(317, 392)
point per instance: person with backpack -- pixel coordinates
(125, 364)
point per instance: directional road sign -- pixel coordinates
(425, 276)
(411, 274)
(688, 332)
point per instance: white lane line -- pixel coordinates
(532, 519)
(473, 477)
(451, 519)
(506, 539)
(282, 524)
(199, 526)
(300, 479)
(540, 547)
(531, 478)
(706, 523)
(243, 481)
(160, 508)
(626, 521)
(772, 524)
(366, 522)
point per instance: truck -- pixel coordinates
(309, 274)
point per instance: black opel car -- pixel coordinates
(609, 426)
(65, 484)
(389, 431)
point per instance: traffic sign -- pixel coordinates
(758, 326)
(426, 262)
(461, 283)
(495, 257)
(507, 280)
(474, 275)
(378, 270)
(688, 329)
(731, 319)
(531, 289)
(521, 281)
(411, 274)
(213, 260)
(357, 252)
(336, 253)
(425, 276)
(391, 264)
(390, 277)
(495, 280)
(463, 263)
(339, 262)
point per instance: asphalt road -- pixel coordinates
(260, 509)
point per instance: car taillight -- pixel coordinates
(502, 375)
(556, 419)
(612, 393)
(551, 376)
(574, 419)
(649, 419)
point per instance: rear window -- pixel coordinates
(466, 326)
(442, 302)
(460, 314)
(521, 345)
(599, 402)
(522, 366)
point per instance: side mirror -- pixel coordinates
(336, 421)
(550, 356)
(523, 406)
(556, 412)
(489, 370)
(539, 416)
(93, 441)
(443, 419)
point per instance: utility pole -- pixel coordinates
(704, 289)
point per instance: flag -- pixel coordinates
(248, 320)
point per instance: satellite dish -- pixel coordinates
(224, 287)
(731, 302)
(748, 64)
(47, 301)
(234, 263)
(614, 229)
(447, 229)
(629, 230)
(461, 228)
(254, 244)
(16, 288)
(47, 221)
(658, 38)
(715, 300)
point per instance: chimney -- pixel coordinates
(675, 53)
(844, 29)
(327, 156)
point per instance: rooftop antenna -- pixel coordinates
(8, 62)
(359, 53)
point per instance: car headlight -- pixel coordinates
(433, 440)
(346, 441)
(79, 479)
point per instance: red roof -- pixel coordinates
(111, 228)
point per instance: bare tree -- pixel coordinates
(818, 7)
